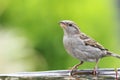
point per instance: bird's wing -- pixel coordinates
(90, 42)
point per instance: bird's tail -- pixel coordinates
(112, 54)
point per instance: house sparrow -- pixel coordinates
(82, 47)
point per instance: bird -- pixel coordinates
(81, 46)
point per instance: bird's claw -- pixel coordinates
(73, 72)
(94, 72)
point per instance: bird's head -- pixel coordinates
(69, 27)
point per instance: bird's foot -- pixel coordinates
(116, 73)
(73, 70)
(94, 72)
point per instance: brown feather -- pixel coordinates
(83, 36)
(90, 42)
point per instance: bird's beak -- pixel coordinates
(62, 24)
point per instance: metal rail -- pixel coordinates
(102, 74)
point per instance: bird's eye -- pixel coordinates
(70, 24)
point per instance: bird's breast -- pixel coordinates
(71, 43)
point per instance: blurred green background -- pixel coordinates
(31, 38)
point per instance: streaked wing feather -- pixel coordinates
(90, 42)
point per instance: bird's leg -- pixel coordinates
(95, 68)
(116, 73)
(74, 68)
